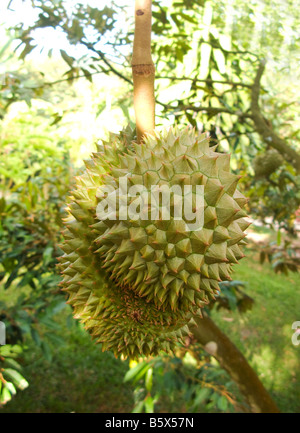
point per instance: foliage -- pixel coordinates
(71, 381)
(31, 212)
(77, 22)
(283, 257)
(190, 379)
(10, 376)
(275, 199)
(232, 297)
(31, 208)
(207, 70)
(19, 82)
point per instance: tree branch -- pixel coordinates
(263, 128)
(209, 110)
(63, 80)
(104, 59)
(233, 361)
(208, 80)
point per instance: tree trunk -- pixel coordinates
(233, 361)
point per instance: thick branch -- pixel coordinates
(233, 361)
(207, 80)
(209, 110)
(266, 132)
(143, 70)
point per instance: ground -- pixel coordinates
(264, 335)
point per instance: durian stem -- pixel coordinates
(233, 361)
(143, 70)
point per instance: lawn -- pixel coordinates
(264, 333)
(81, 378)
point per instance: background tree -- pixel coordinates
(224, 74)
(209, 59)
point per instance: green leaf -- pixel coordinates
(149, 405)
(47, 255)
(279, 237)
(55, 339)
(49, 323)
(5, 396)
(58, 306)
(16, 377)
(149, 379)
(2, 204)
(9, 362)
(262, 257)
(46, 351)
(10, 386)
(138, 407)
(36, 337)
(68, 59)
(201, 396)
(179, 54)
(141, 373)
(56, 120)
(222, 403)
(132, 373)
(188, 18)
(10, 351)
(87, 75)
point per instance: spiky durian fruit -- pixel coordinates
(136, 282)
(265, 164)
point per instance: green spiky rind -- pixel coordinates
(136, 284)
(120, 320)
(265, 164)
(161, 260)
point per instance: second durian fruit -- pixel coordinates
(137, 282)
(266, 163)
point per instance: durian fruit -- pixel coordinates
(265, 164)
(137, 282)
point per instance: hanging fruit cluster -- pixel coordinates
(137, 282)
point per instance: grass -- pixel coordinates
(264, 333)
(81, 378)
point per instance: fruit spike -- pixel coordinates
(137, 283)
